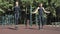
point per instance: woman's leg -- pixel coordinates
(42, 21)
(39, 21)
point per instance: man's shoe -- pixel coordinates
(16, 28)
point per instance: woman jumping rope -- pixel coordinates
(41, 11)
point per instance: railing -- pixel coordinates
(6, 19)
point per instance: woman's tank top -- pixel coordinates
(40, 11)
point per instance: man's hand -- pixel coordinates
(33, 12)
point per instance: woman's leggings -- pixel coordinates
(41, 21)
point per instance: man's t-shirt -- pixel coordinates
(16, 8)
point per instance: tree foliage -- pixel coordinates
(5, 5)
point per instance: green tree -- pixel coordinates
(5, 4)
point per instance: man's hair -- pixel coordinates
(16, 1)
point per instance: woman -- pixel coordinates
(41, 11)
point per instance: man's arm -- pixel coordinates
(19, 9)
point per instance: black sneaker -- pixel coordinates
(41, 27)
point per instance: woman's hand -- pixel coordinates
(47, 11)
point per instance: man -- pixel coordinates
(40, 11)
(16, 14)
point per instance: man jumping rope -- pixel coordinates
(16, 14)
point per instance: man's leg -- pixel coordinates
(27, 23)
(16, 21)
(16, 26)
(17, 18)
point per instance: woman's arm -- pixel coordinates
(35, 11)
(45, 10)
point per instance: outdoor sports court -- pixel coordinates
(23, 12)
(33, 30)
